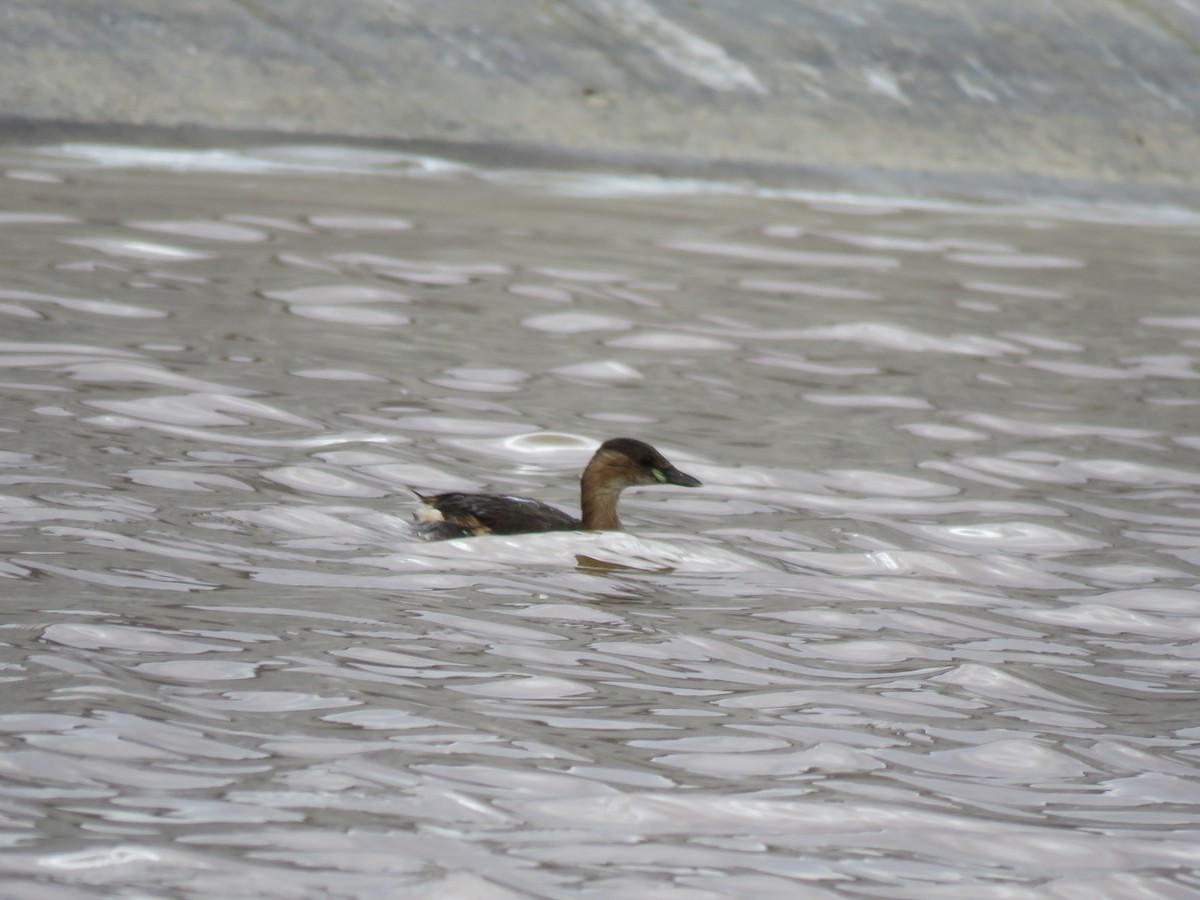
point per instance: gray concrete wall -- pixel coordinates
(1101, 90)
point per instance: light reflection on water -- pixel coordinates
(929, 629)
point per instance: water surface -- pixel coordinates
(928, 630)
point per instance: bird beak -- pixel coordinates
(673, 476)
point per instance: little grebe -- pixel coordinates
(618, 464)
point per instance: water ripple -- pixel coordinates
(928, 629)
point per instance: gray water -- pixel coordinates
(929, 629)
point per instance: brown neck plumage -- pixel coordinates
(600, 489)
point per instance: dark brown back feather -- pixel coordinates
(499, 514)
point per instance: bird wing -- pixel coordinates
(500, 514)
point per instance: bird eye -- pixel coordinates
(646, 461)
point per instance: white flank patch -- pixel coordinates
(430, 514)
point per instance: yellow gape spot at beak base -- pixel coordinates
(659, 476)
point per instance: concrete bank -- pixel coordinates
(1091, 92)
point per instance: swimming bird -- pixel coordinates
(619, 463)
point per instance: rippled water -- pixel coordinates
(930, 629)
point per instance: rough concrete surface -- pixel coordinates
(1101, 91)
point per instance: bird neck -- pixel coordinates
(598, 500)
